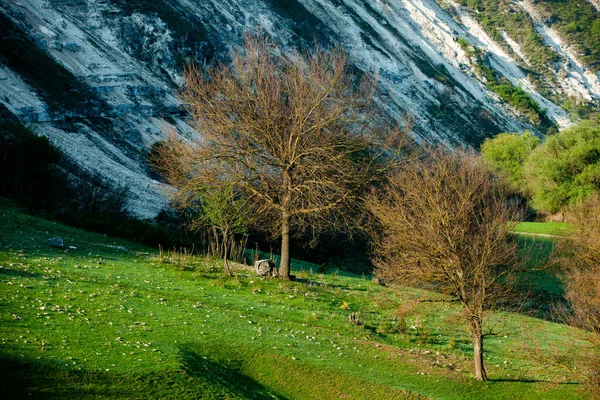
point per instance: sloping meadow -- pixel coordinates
(113, 319)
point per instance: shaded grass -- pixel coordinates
(108, 320)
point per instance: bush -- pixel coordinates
(565, 169)
(29, 165)
(507, 152)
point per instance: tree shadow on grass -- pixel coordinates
(310, 282)
(511, 380)
(198, 379)
(227, 375)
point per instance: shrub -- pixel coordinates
(507, 153)
(29, 164)
(565, 169)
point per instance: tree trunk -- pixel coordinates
(478, 351)
(225, 250)
(284, 263)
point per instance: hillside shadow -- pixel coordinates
(227, 376)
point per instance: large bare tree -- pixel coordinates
(579, 255)
(446, 225)
(296, 134)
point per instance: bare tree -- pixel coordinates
(579, 255)
(297, 135)
(446, 225)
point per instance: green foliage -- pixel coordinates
(496, 16)
(565, 168)
(107, 321)
(513, 95)
(578, 21)
(222, 208)
(507, 153)
(464, 43)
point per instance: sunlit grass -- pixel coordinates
(109, 320)
(544, 228)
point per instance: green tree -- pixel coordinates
(224, 210)
(565, 168)
(507, 152)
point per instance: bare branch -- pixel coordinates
(291, 133)
(445, 222)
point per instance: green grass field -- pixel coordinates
(110, 319)
(544, 228)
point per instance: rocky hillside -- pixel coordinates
(99, 78)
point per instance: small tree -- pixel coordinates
(296, 135)
(445, 224)
(579, 256)
(226, 213)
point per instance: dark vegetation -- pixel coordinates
(36, 174)
(304, 24)
(31, 183)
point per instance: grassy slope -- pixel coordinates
(577, 22)
(538, 240)
(108, 322)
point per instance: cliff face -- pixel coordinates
(99, 78)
